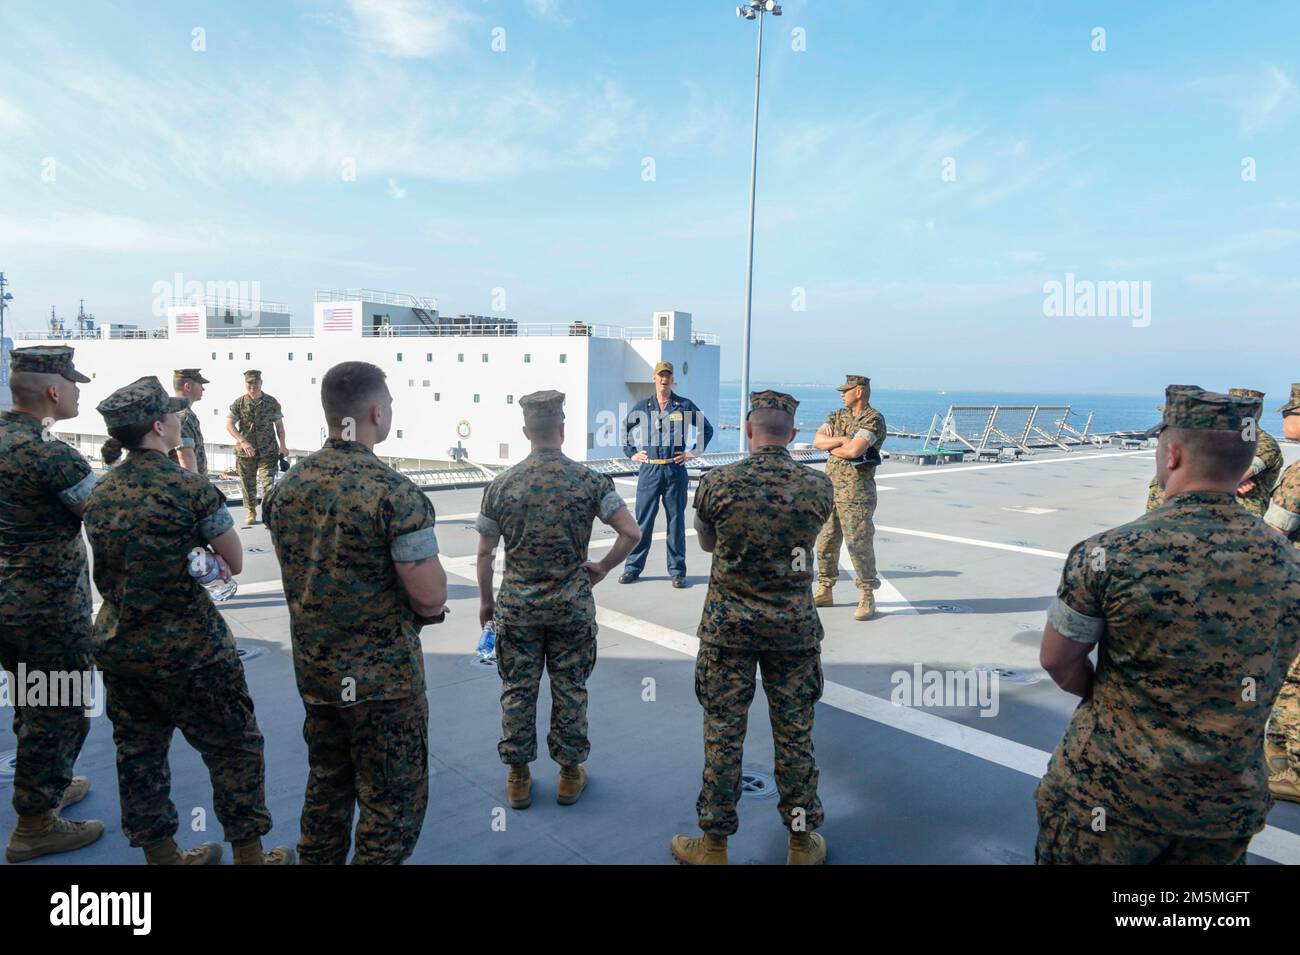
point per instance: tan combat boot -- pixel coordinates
(806, 848)
(866, 605)
(167, 852)
(696, 850)
(1284, 786)
(250, 853)
(48, 833)
(573, 780)
(822, 595)
(519, 786)
(76, 791)
(250, 518)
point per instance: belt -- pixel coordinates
(659, 461)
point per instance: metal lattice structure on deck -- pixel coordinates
(1023, 428)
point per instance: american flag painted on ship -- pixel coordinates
(338, 320)
(187, 322)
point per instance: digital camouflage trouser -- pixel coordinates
(49, 737)
(212, 708)
(1066, 837)
(568, 654)
(724, 685)
(375, 754)
(850, 522)
(1284, 723)
(249, 471)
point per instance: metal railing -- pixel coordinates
(985, 428)
(98, 334)
(261, 333)
(377, 297)
(238, 304)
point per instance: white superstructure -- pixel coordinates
(455, 380)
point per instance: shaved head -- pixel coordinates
(1215, 456)
(29, 387)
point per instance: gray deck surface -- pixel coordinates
(899, 785)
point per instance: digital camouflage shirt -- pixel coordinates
(143, 520)
(1195, 609)
(1284, 509)
(543, 509)
(255, 421)
(1264, 471)
(766, 510)
(43, 578)
(850, 482)
(339, 520)
(192, 437)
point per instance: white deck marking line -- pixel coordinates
(1276, 845)
(994, 545)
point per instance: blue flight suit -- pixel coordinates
(662, 434)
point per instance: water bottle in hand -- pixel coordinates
(487, 644)
(204, 568)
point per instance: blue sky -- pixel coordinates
(524, 170)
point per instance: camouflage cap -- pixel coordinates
(542, 407)
(1292, 406)
(1161, 407)
(1246, 393)
(252, 375)
(772, 399)
(188, 374)
(1205, 410)
(142, 400)
(46, 360)
(854, 381)
(664, 366)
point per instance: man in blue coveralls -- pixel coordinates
(655, 434)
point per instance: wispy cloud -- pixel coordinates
(395, 191)
(105, 232)
(409, 28)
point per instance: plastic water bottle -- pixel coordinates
(487, 644)
(204, 568)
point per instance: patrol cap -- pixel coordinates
(188, 374)
(772, 399)
(1161, 407)
(1292, 406)
(46, 360)
(142, 400)
(252, 375)
(854, 381)
(1205, 410)
(1246, 393)
(542, 407)
(664, 366)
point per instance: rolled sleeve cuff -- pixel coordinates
(216, 524)
(278, 417)
(486, 526)
(1258, 466)
(417, 545)
(79, 492)
(704, 527)
(187, 443)
(865, 435)
(609, 505)
(1282, 519)
(1073, 625)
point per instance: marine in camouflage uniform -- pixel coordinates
(1282, 746)
(341, 520)
(191, 430)
(855, 495)
(1265, 468)
(256, 421)
(45, 610)
(762, 515)
(543, 508)
(168, 657)
(1195, 613)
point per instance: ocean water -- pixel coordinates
(912, 410)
